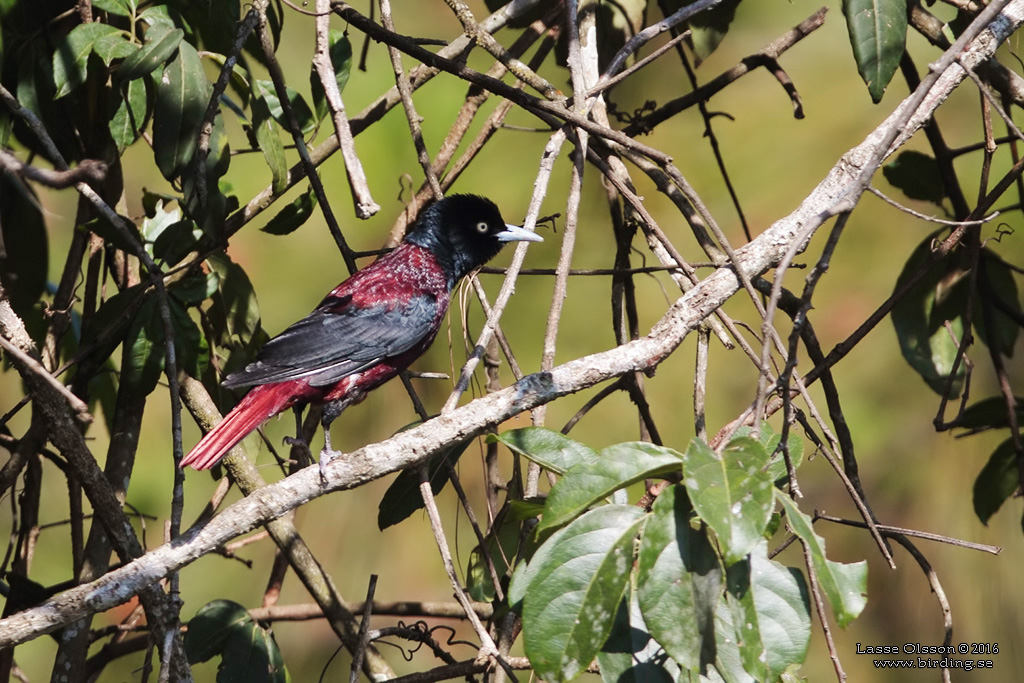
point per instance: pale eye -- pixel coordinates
(482, 227)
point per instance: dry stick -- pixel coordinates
(700, 379)
(475, 98)
(363, 637)
(372, 113)
(245, 27)
(306, 567)
(280, 87)
(416, 445)
(543, 109)
(940, 594)
(819, 606)
(160, 604)
(925, 217)
(405, 91)
(487, 647)
(766, 58)
(365, 206)
(485, 40)
(433, 610)
(505, 293)
(894, 531)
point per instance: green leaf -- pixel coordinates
(990, 413)
(144, 349)
(878, 34)
(771, 609)
(502, 544)
(996, 286)
(182, 94)
(129, 113)
(551, 450)
(24, 258)
(293, 215)
(303, 116)
(161, 42)
(770, 440)
(403, 497)
(234, 315)
(917, 175)
(731, 492)
(631, 655)
(574, 590)
(616, 467)
(248, 652)
(845, 585)
(114, 46)
(122, 8)
(192, 351)
(175, 242)
(679, 581)
(998, 480)
(71, 57)
(708, 28)
(340, 51)
(920, 316)
(268, 138)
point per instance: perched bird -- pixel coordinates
(369, 328)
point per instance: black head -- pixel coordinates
(464, 232)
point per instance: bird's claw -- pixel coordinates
(326, 456)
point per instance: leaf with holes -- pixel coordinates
(573, 589)
(731, 492)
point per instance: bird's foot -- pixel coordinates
(303, 454)
(326, 456)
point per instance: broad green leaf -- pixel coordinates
(303, 116)
(248, 652)
(917, 175)
(144, 349)
(551, 450)
(731, 492)
(124, 8)
(998, 480)
(71, 58)
(631, 655)
(708, 28)
(175, 242)
(616, 467)
(25, 253)
(990, 413)
(502, 544)
(340, 51)
(153, 226)
(268, 137)
(920, 319)
(403, 498)
(182, 94)
(575, 588)
(114, 46)
(771, 609)
(770, 440)
(196, 288)
(234, 315)
(728, 666)
(293, 215)
(192, 351)
(129, 113)
(997, 288)
(845, 585)
(878, 34)
(161, 42)
(679, 581)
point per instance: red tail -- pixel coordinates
(260, 404)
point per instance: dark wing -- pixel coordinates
(334, 342)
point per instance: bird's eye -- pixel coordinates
(482, 227)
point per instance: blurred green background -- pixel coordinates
(914, 477)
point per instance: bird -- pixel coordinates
(367, 329)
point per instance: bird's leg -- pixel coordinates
(299, 441)
(331, 411)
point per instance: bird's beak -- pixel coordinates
(513, 233)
